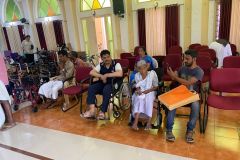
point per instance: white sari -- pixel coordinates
(144, 103)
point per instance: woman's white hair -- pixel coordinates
(141, 63)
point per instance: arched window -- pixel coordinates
(12, 12)
(87, 5)
(48, 8)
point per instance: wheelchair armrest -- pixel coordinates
(115, 82)
(91, 79)
(160, 88)
(161, 84)
(114, 78)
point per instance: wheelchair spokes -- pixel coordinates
(125, 96)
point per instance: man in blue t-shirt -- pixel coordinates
(188, 75)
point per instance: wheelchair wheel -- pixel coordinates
(125, 96)
(116, 114)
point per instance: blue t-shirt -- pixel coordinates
(186, 73)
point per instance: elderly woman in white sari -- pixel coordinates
(146, 83)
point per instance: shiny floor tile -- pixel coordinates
(220, 137)
(61, 146)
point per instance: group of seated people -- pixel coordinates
(145, 84)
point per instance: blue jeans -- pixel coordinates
(195, 107)
(100, 88)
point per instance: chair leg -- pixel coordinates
(200, 122)
(159, 118)
(65, 109)
(205, 117)
(81, 103)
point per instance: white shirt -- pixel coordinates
(117, 67)
(26, 45)
(221, 52)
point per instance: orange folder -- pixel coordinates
(178, 97)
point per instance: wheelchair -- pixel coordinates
(121, 97)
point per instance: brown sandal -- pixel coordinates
(101, 116)
(88, 115)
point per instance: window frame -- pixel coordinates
(91, 9)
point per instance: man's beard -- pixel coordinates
(189, 64)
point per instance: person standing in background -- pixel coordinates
(28, 47)
(222, 48)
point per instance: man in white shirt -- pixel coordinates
(50, 89)
(222, 49)
(27, 47)
(105, 71)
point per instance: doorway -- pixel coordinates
(98, 35)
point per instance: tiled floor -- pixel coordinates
(58, 145)
(221, 140)
(6, 154)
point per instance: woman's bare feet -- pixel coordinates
(148, 126)
(135, 127)
(7, 126)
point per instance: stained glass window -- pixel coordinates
(12, 12)
(48, 8)
(87, 5)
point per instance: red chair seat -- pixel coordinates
(75, 90)
(223, 102)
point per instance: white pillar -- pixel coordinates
(196, 21)
(72, 26)
(135, 26)
(31, 27)
(64, 21)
